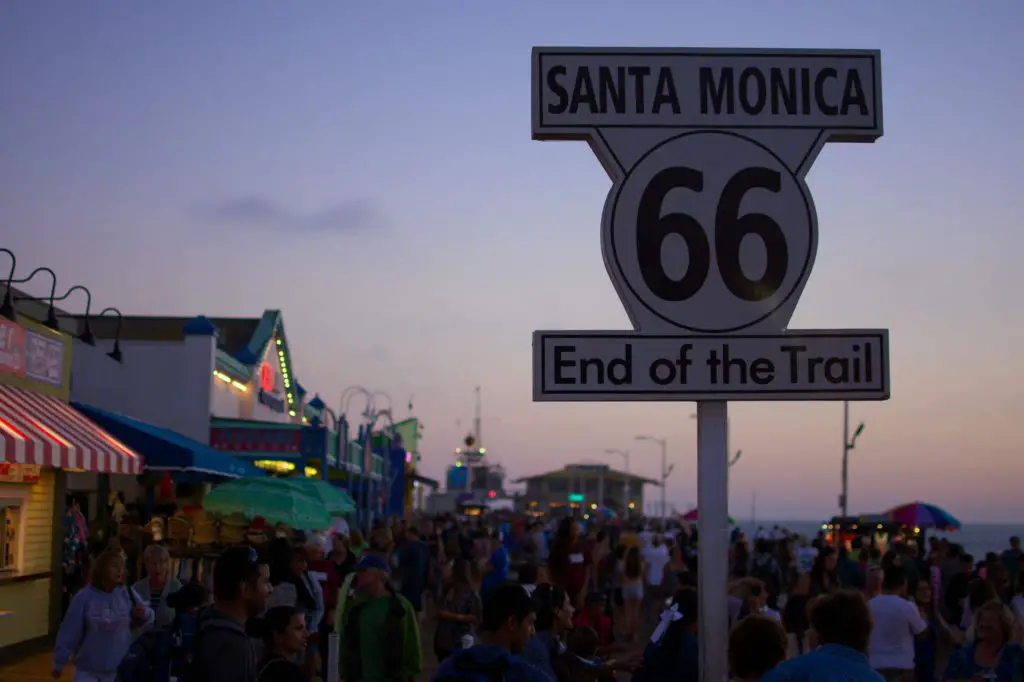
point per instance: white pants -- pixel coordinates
(84, 676)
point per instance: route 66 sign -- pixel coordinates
(709, 227)
(709, 231)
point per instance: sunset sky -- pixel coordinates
(367, 168)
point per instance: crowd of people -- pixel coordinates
(508, 598)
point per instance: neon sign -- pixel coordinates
(268, 379)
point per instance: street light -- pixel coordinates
(666, 469)
(624, 454)
(849, 443)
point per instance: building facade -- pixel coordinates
(583, 487)
(42, 440)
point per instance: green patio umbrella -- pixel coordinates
(336, 501)
(275, 500)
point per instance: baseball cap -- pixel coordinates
(373, 561)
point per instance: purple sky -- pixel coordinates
(369, 171)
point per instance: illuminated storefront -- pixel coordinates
(42, 438)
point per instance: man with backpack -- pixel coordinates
(222, 651)
(507, 625)
(380, 635)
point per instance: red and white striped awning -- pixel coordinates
(38, 429)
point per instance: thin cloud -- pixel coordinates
(358, 215)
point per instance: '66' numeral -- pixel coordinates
(730, 228)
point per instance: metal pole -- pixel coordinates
(713, 531)
(664, 475)
(844, 506)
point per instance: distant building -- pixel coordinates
(585, 487)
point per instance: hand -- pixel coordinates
(138, 613)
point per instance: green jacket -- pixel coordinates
(403, 661)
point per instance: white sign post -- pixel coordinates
(709, 234)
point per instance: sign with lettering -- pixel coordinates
(35, 357)
(709, 232)
(44, 358)
(12, 472)
(804, 365)
(12, 348)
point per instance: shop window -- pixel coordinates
(10, 529)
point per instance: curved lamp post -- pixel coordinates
(666, 469)
(86, 336)
(116, 353)
(7, 308)
(51, 314)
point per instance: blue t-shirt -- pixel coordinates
(499, 570)
(1010, 667)
(827, 663)
(518, 668)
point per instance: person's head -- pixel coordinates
(495, 540)
(967, 563)
(298, 562)
(190, 598)
(356, 539)
(372, 573)
(284, 630)
(894, 580)
(554, 608)
(583, 642)
(241, 579)
(842, 618)
(656, 540)
(108, 571)
(756, 645)
(980, 592)
(923, 594)
(993, 624)
(528, 574)
(1015, 543)
(508, 617)
(754, 593)
(761, 546)
(802, 588)
(158, 563)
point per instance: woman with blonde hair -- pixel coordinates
(158, 584)
(98, 627)
(993, 655)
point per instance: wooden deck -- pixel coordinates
(34, 669)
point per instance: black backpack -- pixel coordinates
(465, 668)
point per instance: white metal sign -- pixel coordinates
(803, 365)
(709, 234)
(709, 226)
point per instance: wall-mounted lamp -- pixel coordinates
(51, 314)
(116, 353)
(7, 308)
(86, 336)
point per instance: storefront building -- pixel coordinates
(42, 440)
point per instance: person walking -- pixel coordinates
(222, 650)
(158, 584)
(380, 637)
(98, 627)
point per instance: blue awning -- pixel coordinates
(166, 450)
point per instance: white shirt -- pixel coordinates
(645, 538)
(897, 621)
(656, 559)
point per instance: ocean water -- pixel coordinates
(976, 538)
